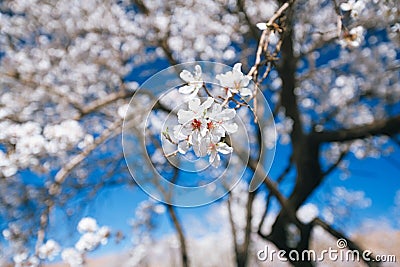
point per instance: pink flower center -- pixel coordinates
(210, 125)
(196, 124)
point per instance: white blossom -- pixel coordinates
(353, 38)
(87, 224)
(235, 81)
(49, 250)
(88, 242)
(202, 127)
(219, 121)
(354, 6)
(20, 257)
(261, 25)
(307, 213)
(194, 82)
(214, 149)
(72, 257)
(193, 126)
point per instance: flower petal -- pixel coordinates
(207, 103)
(194, 104)
(230, 127)
(345, 6)
(224, 148)
(178, 134)
(187, 89)
(197, 72)
(237, 67)
(246, 92)
(216, 161)
(261, 25)
(226, 114)
(184, 116)
(186, 76)
(200, 147)
(245, 81)
(183, 147)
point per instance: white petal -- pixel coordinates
(224, 148)
(192, 95)
(200, 147)
(187, 130)
(345, 6)
(194, 104)
(197, 72)
(186, 76)
(245, 81)
(218, 132)
(230, 127)
(217, 161)
(187, 89)
(216, 109)
(184, 116)
(225, 80)
(237, 67)
(246, 92)
(213, 155)
(227, 114)
(178, 132)
(262, 25)
(203, 131)
(183, 147)
(207, 103)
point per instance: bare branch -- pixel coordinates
(387, 127)
(350, 244)
(64, 172)
(334, 165)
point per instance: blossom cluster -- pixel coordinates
(92, 237)
(205, 124)
(355, 36)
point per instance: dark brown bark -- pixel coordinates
(305, 151)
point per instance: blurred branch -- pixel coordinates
(350, 244)
(244, 248)
(269, 197)
(253, 29)
(178, 226)
(64, 172)
(181, 235)
(141, 6)
(334, 165)
(260, 174)
(233, 228)
(101, 102)
(387, 127)
(44, 219)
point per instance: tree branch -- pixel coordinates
(334, 165)
(387, 127)
(233, 228)
(181, 235)
(350, 244)
(64, 172)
